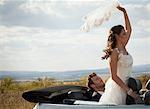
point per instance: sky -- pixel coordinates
(45, 35)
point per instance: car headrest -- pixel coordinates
(134, 84)
(147, 98)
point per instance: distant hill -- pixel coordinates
(67, 75)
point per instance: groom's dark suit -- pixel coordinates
(88, 95)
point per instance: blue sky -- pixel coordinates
(44, 35)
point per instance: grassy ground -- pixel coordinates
(13, 100)
(11, 91)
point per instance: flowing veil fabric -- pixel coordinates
(98, 16)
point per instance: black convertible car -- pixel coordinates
(70, 97)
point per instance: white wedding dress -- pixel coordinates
(113, 93)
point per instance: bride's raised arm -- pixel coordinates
(127, 24)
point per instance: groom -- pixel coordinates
(94, 91)
(96, 87)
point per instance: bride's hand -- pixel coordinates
(133, 94)
(136, 97)
(121, 8)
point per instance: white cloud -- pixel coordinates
(45, 36)
(145, 24)
(137, 8)
(43, 49)
(24, 48)
(148, 6)
(140, 50)
(36, 7)
(39, 48)
(2, 2)
(56, 7)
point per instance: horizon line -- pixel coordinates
(63, 70)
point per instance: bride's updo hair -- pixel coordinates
(111, 42)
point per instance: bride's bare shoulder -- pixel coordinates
(114, 54)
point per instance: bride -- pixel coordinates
(120, 62)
